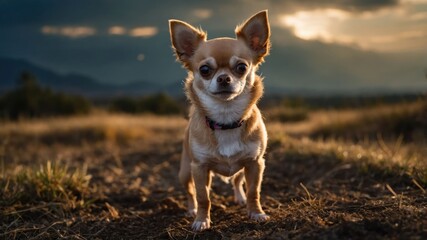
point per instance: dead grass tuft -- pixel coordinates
(51, 183)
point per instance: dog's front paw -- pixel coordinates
(259, 217)
(191, 213)
(201, 225)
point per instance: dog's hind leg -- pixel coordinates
(237, 182)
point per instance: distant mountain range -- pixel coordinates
(11, 70)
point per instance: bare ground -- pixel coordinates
(310, 191)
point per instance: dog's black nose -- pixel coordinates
(224, 80)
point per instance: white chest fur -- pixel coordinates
(230, 147)
(229, 142)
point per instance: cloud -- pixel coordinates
(140, 57)
(117, 30)
(202, 13)
(413, 1)
(71, 32)
(348, 5)
(83, 31)
(144, 32)
(418, 16)
(389, 30)
(309, 25)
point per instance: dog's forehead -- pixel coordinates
(222, 50)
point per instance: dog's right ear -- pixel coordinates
(185, 40)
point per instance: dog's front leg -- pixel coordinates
(202, 180)
(253, 174)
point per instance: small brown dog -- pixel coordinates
(226, 133)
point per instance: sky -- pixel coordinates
(331, 46)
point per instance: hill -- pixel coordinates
(11, 69)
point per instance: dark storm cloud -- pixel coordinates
(104, 12)
(318, 66)
(294, 63)
(95, 12)
(31, 15)
(348, 5)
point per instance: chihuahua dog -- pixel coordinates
(226, 133)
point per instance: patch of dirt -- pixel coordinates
(138, 196)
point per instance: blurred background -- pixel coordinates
(103, 50)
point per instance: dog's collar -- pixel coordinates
(221, 126)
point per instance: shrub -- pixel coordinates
(30, 100)
(124, 104)
(161, 104)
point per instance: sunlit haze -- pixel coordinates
(396, 29)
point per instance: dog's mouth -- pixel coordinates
(224, 92)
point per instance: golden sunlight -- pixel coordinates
(315, 24)
(404, 29)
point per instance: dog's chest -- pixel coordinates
(229, 154)
(229, 150)
(229, 142)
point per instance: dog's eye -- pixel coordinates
(205, 70)
(241, 68)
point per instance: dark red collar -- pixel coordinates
(222, 126)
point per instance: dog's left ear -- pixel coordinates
(256, 34)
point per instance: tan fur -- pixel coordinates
(234, 152)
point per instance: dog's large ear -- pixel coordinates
(256, 34)
(185, 40)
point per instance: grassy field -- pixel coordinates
(331, 174)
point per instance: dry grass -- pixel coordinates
(115, 177)
(51, 183)
(131, 126)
